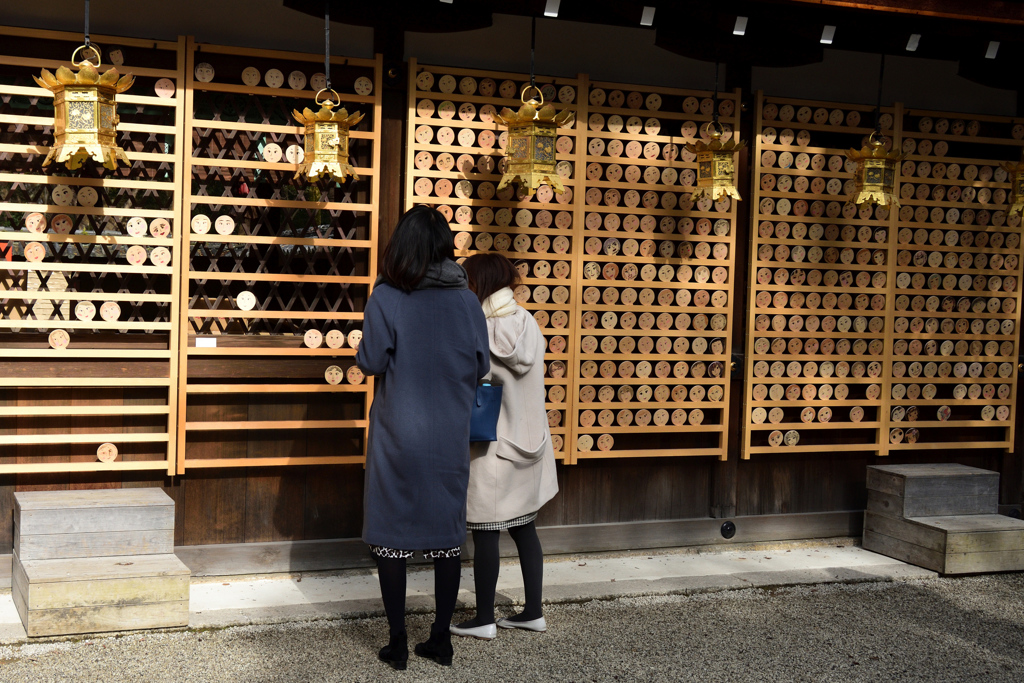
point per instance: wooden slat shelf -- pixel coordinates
(902, 129)
(216, 277)
(578, 158)
(31, 296)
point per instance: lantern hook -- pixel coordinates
(328, 101)
(714, 128)
(527, 88)
(85, 59)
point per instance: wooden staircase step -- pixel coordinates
(90, 595)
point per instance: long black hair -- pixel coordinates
(421, 239)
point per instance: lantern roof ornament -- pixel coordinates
(1016, 198)
(531, 143)
(326, 139)
(85, 116)
(716, 174)
(875, 176)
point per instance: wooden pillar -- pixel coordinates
(389, 40)
(724, 474)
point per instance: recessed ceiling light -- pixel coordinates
(993, 48)
(551, 8)
(915, 39)
(741, 26)
(647, 18)
(827, 35)
(447, 2)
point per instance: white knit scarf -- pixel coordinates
(500, 304)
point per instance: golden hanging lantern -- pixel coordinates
(530, 155)
(1016, 199)
(326, 141)
(716, 170)
(875, 176)
(85, 112)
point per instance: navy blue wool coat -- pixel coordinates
(427, 348)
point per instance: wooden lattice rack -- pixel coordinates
(571, 259)
(116, 382)
(302, 253)
(855, 310)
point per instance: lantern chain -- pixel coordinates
(327, 42)
(533, 49)
(87, 43)
(878, 106)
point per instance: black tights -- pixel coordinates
(485, 572)
(391, 572)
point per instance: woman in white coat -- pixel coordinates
(512, 477)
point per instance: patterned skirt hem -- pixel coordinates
(498, 526)
(395, 554)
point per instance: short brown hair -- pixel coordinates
(488, 273)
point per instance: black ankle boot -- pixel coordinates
(438, 647)
(396, 652)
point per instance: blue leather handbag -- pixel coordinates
(483, 425)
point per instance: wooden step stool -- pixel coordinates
(942, 517)
(97, 560)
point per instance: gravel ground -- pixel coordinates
(967, 629)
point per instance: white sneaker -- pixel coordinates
(486, 632)
(538, 625)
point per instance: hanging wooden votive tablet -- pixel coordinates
(85, 112)
(875, 177)
(716, 172)
(326, 141)
(531, 143)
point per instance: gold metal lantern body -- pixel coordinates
(85, 114)
(875, 177)
(1016, 198)
(326, 141)
(530, 154)
(716, 167)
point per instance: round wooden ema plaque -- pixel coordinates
(136, 255)
(106, 452)
(272, 153)
(59, 339)
(160, 256)
(35, 222)
(775, 439)
(251, 76)
(605, 442)
(334, 375)
(354, 337)
(164, 88)
(62, 195)
(363, 86)
(246, 300)
(87, 196)
(354, 375)
(294, 154)
(204, 72)
(297, 80)
(34, 252)
(110, 311)
(200, 224)
(224, 225)
(335, 339)
(85, 310)
(313, 339)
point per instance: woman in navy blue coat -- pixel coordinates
(425, 338)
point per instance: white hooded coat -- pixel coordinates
(515, 475)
